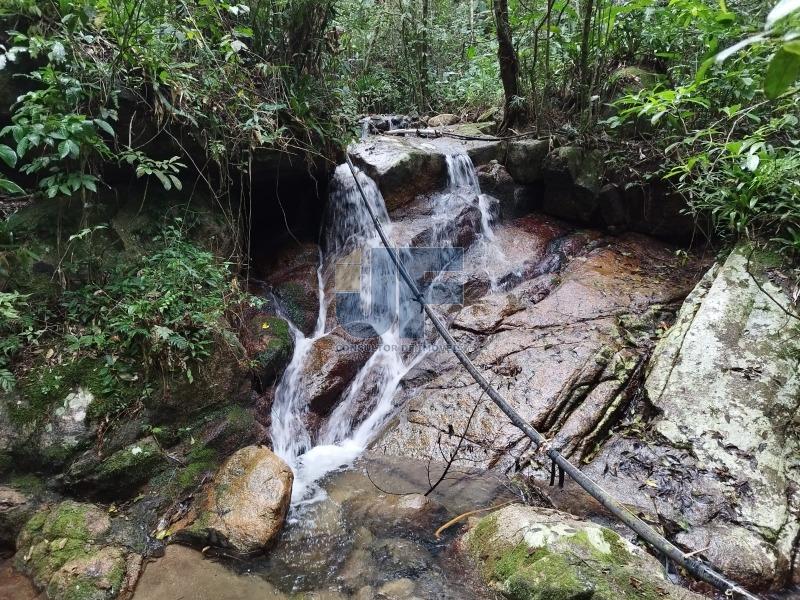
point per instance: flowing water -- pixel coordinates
(349, 229)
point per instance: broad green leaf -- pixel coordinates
(8, 156)
(105, 126)
(10, 187)
(783, 70)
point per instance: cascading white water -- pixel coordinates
(345, 434)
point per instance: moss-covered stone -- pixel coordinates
(541, 554)
(121, 474)
(275, 345)
(129, 467)
(67, 551)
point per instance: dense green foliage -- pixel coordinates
(232, 76)
(172, 92)
(120, 332)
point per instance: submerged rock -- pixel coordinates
(185, 573)
(720, 457)
(537, 553)
(246, 503)
(68, 551)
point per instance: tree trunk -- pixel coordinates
(423, 68)
(584, 85)
(509, 66)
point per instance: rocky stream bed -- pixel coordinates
(670, 376)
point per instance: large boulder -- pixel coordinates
(402, 167)
(525, 160)
(720, 457)
(245, 505)
(536, 553)
(68, 551)
(332, 362)
(443, 120)
(573, 178)
(515, 200)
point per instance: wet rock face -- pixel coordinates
(16, 507)
(572, 179)
(565, 344)
(332, 364)
(402, 168)
(529, 552)
(245, 505)
(293, 277)
(516, 200)
(69, 552)
(719, 455)
(268, 340)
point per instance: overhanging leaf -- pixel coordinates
(10, 187)
(781, 10)
(783, 70)
(8, 156)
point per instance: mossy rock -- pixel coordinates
(271, 344)
(67, 551)
(122, 473)
(221, 379)
(540, 554)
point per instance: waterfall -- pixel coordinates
(345, 434)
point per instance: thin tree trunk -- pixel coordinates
(423, 75)
(585, 75)
(509, 66)
(472, 22)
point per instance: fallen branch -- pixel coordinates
(463, 516)
(438, 133)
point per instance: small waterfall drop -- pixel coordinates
(367, 403)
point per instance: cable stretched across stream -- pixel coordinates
(655, 540)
